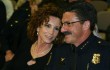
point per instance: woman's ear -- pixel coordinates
(38, 29)
(86, 25)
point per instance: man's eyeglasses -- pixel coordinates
(70, 23)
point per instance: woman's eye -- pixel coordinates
(57, 28)
(47, 25)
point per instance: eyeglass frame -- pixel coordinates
(68, 23)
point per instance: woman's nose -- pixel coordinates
(51, 31)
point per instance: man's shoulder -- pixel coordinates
(102, 42)
(101, 45)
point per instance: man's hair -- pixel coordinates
(84, 11)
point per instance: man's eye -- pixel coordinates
(66, 23)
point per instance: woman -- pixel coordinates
(42, 30)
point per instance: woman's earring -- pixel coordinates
(37, 32)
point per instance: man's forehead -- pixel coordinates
(69, 16)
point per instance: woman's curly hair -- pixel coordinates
(40, 16)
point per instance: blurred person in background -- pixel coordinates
(9, 8)
(12, 31)
(2, 25)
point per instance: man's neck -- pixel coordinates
(82, 38)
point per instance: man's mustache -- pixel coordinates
(67, 33)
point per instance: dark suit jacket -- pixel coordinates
(2, 15)
(2, 25)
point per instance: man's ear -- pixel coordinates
(86, 25)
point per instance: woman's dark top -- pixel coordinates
(20, 60)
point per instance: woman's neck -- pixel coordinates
(40, 49)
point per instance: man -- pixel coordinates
(90, 52)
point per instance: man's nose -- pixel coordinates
(64, 28)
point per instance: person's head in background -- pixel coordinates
(19, 3)
(34, 5)
(78, 21)
(44, 25)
